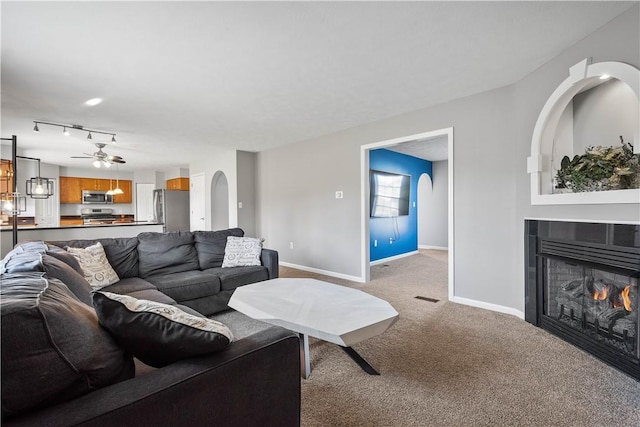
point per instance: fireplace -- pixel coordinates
(582, 285)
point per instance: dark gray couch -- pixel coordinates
(59, 367)
(184, 266)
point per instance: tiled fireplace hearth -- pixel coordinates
(582, 285)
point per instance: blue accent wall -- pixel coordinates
(403, 229)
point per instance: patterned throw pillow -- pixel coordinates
(95, 266)
(242, 251)
(158, 334)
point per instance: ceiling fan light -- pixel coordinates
(106, 164)
(96, 163)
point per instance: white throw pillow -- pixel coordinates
(95, 266)
(242, 251)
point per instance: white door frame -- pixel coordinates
(201, 202)
(364, 197)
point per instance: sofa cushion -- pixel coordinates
(53, 348)
(138, 288)
(166, 253)
(64, 256)
(121, 252)
(60, 270)
(128, 285)
(158, 334)
(231, 278)
(242, 251)
(123, 255)
(186, 285)
(210, 246)
(95, 265)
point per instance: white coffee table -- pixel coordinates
(313, 308)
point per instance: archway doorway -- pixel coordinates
(219, 201)
(447, 134)
(425, 201)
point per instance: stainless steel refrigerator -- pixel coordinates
(172, 209)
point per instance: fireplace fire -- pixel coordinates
(582, 285)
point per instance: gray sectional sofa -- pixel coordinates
(61, 367)
(184, 266)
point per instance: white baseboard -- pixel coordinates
(489, 306)
(391, 258)
(323, 272)
(437, 248)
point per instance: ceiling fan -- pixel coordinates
(100, 157)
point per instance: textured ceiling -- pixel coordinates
(255, 75)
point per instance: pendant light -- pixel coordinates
(38, 187)
(117, 190)
(110, 192)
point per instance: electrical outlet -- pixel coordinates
(290, 245)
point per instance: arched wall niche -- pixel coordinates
(219, 201)
(582, 76)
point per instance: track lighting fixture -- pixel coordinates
(66, 128)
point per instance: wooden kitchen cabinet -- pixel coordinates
(71, 189)
(66, 222)
(126, 197)
(6, 180)
(97, 184)
(178, 184)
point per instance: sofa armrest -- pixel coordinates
(255, 381)
(269, 259)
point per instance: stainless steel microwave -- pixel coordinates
(91, 197)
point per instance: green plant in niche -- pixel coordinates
(600, 169)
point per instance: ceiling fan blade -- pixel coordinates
(120, 161)
(114, 158)
(81, 157)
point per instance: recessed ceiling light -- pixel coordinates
(604, 77)
(94, 101)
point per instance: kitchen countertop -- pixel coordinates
(122, 224)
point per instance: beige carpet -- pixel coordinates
(446, 364)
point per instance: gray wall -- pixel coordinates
(246, 192)
(433, 221)
(492, 140)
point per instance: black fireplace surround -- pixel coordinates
(581, 284)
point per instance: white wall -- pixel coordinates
(492, 133)
(603, 113)
(210, 160)
(433, 209)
